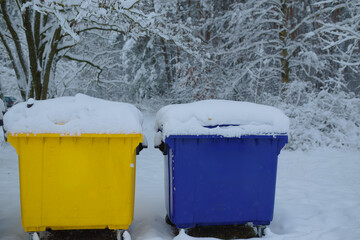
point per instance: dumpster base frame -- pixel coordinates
(119, 234)
(232, 231)
(56, 228)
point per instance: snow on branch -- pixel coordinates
(87, 61)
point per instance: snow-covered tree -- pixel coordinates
(340, 33)
(36, 34)
(50, 30)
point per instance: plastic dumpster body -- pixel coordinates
(76, 182)
(214, 180)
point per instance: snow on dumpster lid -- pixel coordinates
(221, 117)
(74, 116)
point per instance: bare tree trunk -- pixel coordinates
(49, 63)
(292, 20)
(283, 38)
(33, 57)
(167, 62)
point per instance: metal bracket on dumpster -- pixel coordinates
(162, 147)
(139, 148)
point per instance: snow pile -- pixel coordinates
(221, 117)
(74, 115)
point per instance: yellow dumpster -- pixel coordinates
(76, 181)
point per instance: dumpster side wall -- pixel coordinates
(222, 181)
(76, 182)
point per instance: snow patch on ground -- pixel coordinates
(10, 220)
(317, 195)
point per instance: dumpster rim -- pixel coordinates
(274, 136)
(89, 135)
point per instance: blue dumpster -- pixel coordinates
(213, 180)
(216, 179)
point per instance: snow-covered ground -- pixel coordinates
(317, 195)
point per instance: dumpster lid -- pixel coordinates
(74, 115)
(220, 117)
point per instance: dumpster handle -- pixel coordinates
(162, 147)
(140, 147)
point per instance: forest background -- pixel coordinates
(302, 56)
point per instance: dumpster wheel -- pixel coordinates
(174, 229)
(122, 235)
(168, 221)
(34, 236)
(260, 230)
(119, 234)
